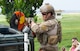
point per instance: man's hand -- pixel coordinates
(30, 21)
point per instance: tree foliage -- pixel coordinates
(28, 7)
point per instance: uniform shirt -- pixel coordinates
(42, 29)
(44, 26)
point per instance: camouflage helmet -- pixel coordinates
(47, 8)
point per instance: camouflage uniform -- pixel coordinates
(43, 31)
(46, 32)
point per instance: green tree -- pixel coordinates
(28, 7)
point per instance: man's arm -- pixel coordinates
(43, 27)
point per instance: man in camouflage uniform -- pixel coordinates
(46, 32)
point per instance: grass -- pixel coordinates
(3, 20)
(70, 29)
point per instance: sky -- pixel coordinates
(64, 4)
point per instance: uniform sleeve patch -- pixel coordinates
(44, 28)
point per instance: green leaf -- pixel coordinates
(25, 6)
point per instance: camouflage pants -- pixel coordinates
(49, 49)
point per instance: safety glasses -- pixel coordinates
(44, 13)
